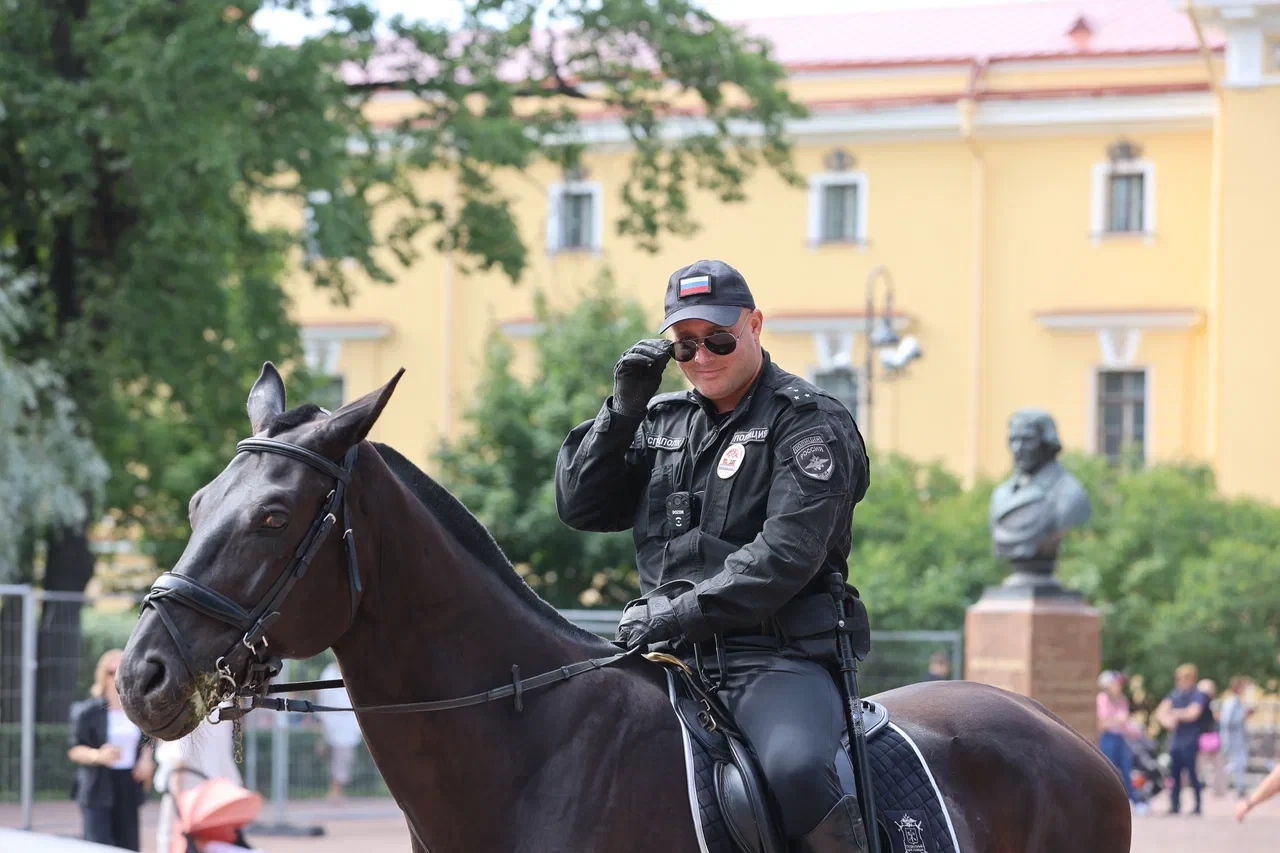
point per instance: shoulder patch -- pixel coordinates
(799, 396)
(813, 457)
(670, 397)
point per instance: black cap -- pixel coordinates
(706, 290)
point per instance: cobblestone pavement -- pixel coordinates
(376, 827)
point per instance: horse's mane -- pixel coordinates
(475, 538)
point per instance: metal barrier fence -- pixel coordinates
(50, 643)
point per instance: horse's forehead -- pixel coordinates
(249, 473)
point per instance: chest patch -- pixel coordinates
(665, 442)
(745, 436)
(813, 457)
(731, 461)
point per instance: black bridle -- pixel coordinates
(260, 667)
(251, 650)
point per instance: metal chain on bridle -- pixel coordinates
(251, 650)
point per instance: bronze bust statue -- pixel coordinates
(1032, 510)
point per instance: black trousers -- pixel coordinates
(117, 824)
(789, 707)
(1183, 757)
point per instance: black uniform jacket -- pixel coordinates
(777, 479)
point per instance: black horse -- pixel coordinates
(419, 604)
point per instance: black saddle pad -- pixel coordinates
(909, 806)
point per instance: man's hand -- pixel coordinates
(648, 622)
(638, 374)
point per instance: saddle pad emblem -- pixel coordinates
(910, 831)
(814, 457)
(731, 461)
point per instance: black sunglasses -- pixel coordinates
(720, 343)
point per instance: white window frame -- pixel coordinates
(555, 195)
(817, 184)
(1148, 407)
(859, 380)
(1098, 217)
(309, 246)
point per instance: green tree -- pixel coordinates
(503, 466)
(921, 553)
(135, 135)
(50, 472)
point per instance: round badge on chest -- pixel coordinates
(731, 461)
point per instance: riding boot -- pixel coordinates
(841, 831)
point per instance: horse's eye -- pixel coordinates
(275, 520)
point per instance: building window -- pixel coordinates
(1122, 415)
(1123, 199)
(1124, 203)
(841, 383)
(310, 228)
(328, 393)
(840, 212)
(838, 208)
(575, 217)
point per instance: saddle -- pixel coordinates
(728, 793)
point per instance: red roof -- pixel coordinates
(911, 36)
(1005, 30)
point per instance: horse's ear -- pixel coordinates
(349, 425)
(266, 398)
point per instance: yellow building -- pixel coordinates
(1075, 204)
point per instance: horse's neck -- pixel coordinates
(437, 624)
(436, 620)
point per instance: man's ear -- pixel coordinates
(350, 425)
(266, 398)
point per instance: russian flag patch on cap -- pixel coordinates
(695, 284)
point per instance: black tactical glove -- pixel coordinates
(650, 621)
(638, 374)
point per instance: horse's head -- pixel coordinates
(268, 572)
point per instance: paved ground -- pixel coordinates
(376, 826)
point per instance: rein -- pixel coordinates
(517, 688)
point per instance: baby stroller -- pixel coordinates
(1148, 773)
(211, 817)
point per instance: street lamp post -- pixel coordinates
(896, 354)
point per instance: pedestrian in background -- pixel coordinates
(341, 733)
(209, 751)
(1180, 713)
(939, 667)
(1212, 763)
(115, 761)
(1113, 725)
(1232, 718)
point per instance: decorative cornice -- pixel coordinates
(345, 331)
(1093, 319)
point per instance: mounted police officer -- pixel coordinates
(740, 495)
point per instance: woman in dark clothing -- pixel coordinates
(115, 761)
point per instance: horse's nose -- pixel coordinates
(155, 675)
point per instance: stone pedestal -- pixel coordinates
(1034, 637)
